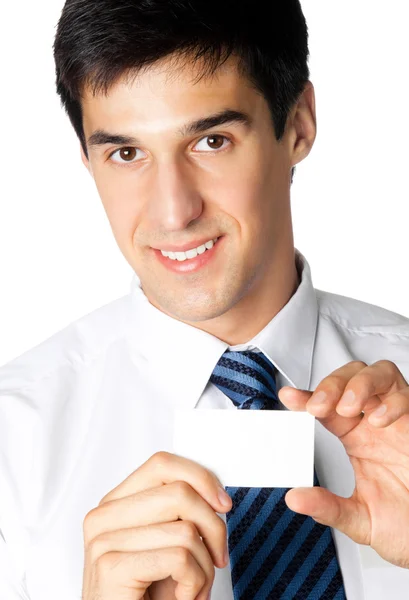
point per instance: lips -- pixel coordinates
(188, 246)
(190, 254)
(190, 265)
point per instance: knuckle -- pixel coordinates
(182, 556)
(333, 383)
(89, 523)
(188, 531)
(358, 363)
(182, 490)
(193, 587)
(160, 459)
(97, 548)
(104, 565)
(388, 366)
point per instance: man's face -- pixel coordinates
(171, 188)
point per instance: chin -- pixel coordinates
(191, 308)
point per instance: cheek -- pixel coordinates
(247, 198)
(121, 207)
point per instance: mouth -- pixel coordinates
(190, 261)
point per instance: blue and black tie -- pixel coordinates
(274, 552)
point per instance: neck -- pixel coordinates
(260, 305)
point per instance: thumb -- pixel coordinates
(344, 514)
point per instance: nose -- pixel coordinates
(174, 199)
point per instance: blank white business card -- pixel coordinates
(249, 448)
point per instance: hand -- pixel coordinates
(157, 536)
(377, 513)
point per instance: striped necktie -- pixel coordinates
(274, 552)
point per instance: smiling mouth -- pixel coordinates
(190, 254)
(182, 264)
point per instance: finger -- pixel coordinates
(324, 400)
(181, 534)
(379, 391)
(127, 575)
(163, 468)
(177, 500)
(394, 407)
(323, 403)
(344, 514)
(379, 380)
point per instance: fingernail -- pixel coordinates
(318, 398)
(348, 399)
(224, 497)
(380, 411)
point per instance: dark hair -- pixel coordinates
(98, 41)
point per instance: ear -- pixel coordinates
(303, 129)
(86, 161)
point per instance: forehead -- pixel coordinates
(168, 90)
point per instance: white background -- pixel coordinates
(350, 197)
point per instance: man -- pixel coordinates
(193, 153)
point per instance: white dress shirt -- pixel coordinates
(85, 408)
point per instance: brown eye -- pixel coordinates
(215, 141)
(127, 154)
(212, 142)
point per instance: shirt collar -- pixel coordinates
(179, 358)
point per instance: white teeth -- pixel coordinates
(189, 254)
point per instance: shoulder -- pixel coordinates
(77, 344)
(368, 332)
(353, 314)
(46, 400)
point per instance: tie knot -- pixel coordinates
(248, 379)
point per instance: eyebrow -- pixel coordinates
(228, 116)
